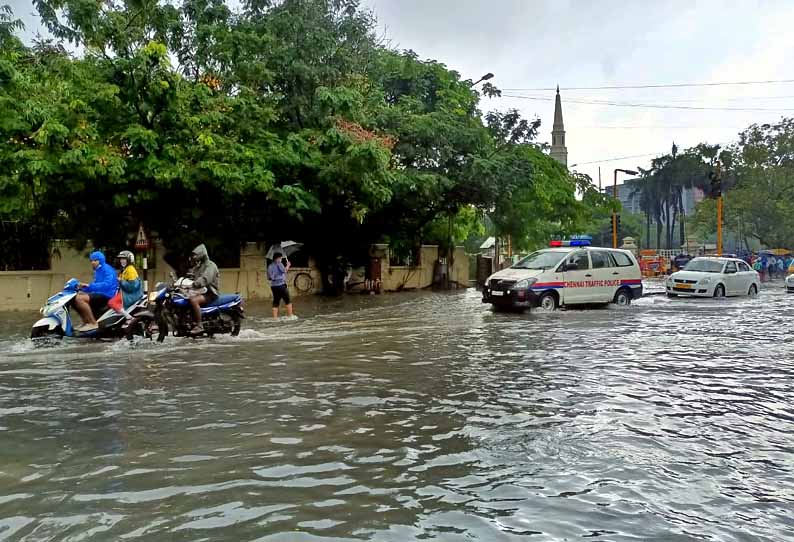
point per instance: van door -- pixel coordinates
(576, 272)
(605, 275)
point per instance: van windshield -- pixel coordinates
(704, 266)
(540, 260)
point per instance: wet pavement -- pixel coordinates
(411, 417)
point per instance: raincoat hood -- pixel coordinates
(200, 253)
(98, 256)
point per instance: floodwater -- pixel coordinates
(411, 417)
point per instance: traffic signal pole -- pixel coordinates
(615, 213)
(719, 226)
(718, 177)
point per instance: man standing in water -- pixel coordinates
(277, 274)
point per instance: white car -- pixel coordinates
(714, 277)
(790, 284)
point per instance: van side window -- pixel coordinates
(622, 259)
(601, 260)
(579, 258)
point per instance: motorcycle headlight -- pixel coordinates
(524, 284)
(153, 296)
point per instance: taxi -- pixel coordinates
(714, 277)
(567, 273)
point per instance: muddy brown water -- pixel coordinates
(411, 417)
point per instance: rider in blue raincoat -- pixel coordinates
(95, 296)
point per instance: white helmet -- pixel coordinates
(127, 255)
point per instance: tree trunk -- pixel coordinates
(682, 214)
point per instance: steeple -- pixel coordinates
(558, 149)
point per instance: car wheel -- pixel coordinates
(753, 290)
(623, 298)
(719, 291)
(549, 302)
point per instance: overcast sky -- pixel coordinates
(531, 44)
(535, 44)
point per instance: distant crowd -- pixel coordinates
(771, 266)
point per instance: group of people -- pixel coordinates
(125, 283)
(771, 266)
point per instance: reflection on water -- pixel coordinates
(415, 417)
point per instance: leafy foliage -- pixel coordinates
(280, 119)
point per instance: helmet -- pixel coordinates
(126, 254)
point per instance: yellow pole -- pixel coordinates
(718, 176)
(719, 226)
(614, 213)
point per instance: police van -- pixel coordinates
(568, 273)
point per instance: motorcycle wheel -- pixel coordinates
(162, 329)
(235, 325)
(44, 332)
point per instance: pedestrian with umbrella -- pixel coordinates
(277, 274)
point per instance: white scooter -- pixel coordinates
(57, 321)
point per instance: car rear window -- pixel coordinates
(622, 259)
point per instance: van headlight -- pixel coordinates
(524, 284)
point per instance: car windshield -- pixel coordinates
(705, 266)
(540, 260)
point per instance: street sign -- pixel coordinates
(142, 242)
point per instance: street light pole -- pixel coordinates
(485, 77)
(614, 212)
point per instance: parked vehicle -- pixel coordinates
(568, 273)
(790, 284)
(714, 277)
(169, 311)
(57, 321)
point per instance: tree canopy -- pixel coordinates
(277, 119)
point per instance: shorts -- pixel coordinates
(98, 303)
(280, 293)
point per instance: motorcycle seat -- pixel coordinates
(223, 299)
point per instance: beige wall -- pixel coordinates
(397, 278)
(28, 290)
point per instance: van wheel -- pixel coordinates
(623, 298)
(549, 302)
(719, 291)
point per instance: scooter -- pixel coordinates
(57, 321)
(169, 310)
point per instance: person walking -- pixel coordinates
(277, 274)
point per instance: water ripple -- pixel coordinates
(412, 417)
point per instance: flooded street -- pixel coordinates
(411, 417)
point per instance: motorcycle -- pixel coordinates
(169, 310)
(57, 321)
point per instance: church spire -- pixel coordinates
(558, 149)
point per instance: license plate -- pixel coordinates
(684, 286)
(497, 293)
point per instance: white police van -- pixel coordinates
(568, 273)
